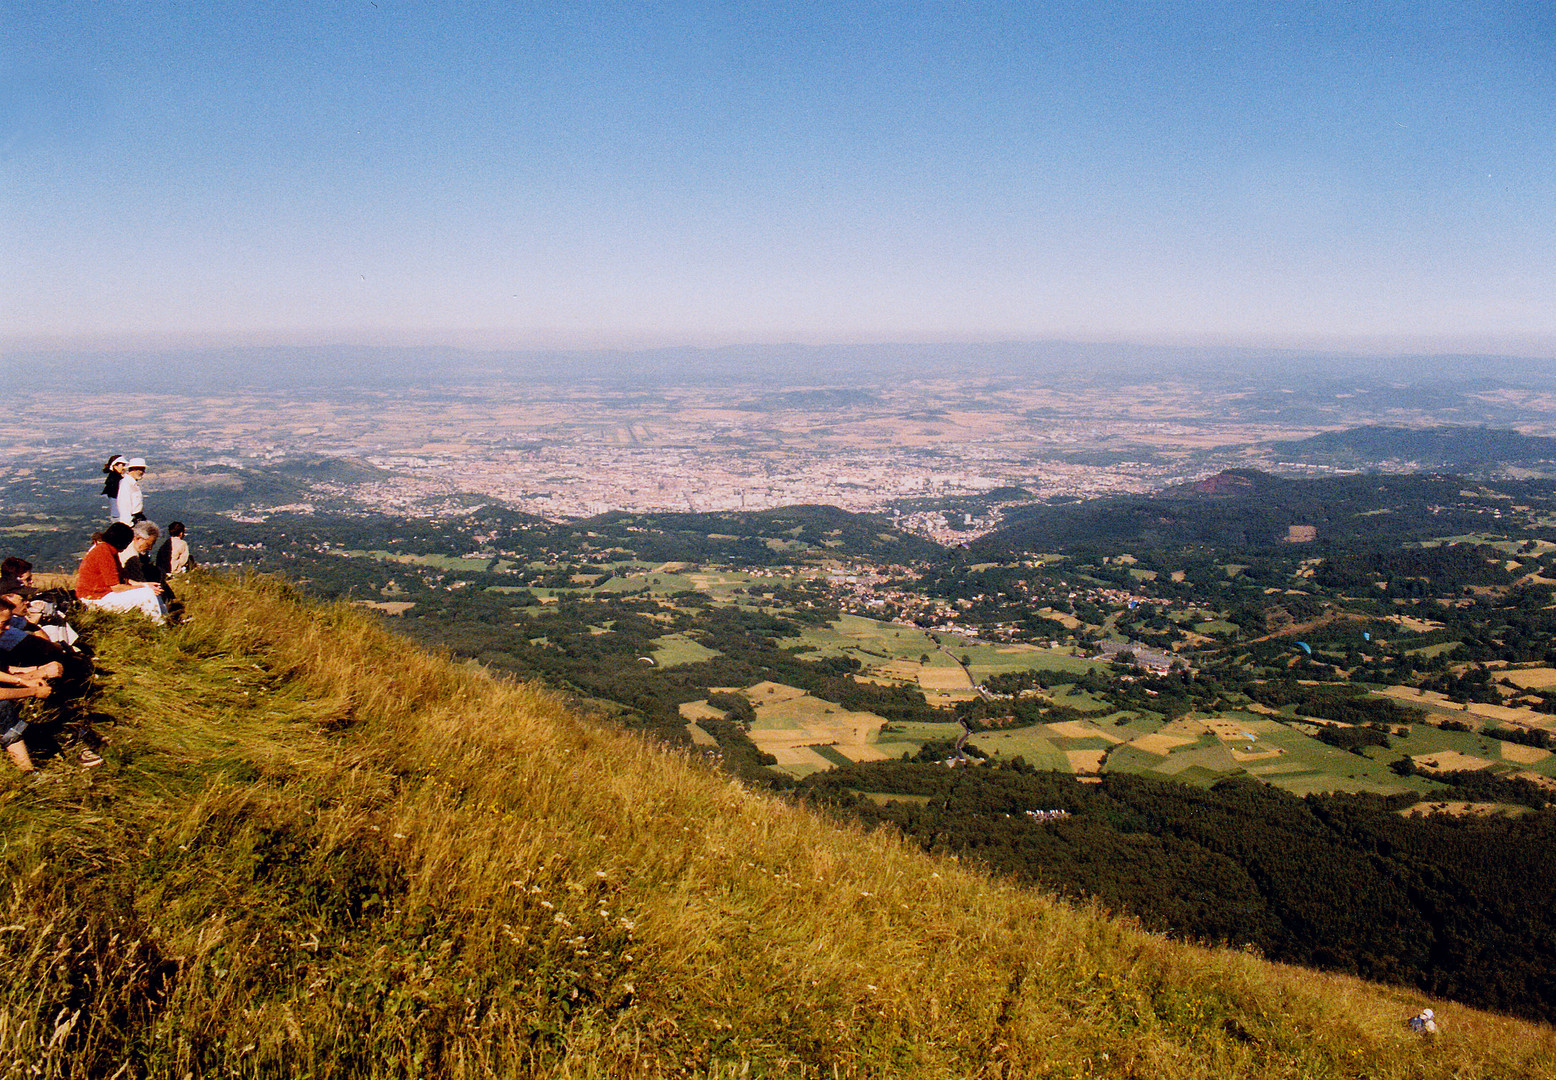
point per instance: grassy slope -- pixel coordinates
(316, 850)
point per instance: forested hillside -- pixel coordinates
(1455, 905)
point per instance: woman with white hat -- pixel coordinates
(113, 476)
(132, 506)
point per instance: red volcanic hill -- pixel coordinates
(1229, 482)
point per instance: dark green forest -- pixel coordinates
(1458, 906)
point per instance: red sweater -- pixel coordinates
(99, 572)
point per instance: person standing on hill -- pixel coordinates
(132, 505)
(114, 471)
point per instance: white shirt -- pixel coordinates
(130, 500)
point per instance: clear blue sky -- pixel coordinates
(633, 173)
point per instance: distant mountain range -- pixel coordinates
(1244, 511)
(1449, 447)
(320, 368)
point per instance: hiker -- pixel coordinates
(114, 471)
(100, 582)
(131, 504)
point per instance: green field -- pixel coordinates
(673, 649)
(1029, 743)
(1001, 659)
(868, 640)
(437, 562)
(1084, 700)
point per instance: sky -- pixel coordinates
(514, 174)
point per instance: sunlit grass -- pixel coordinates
(318, 850)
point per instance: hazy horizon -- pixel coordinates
(214, 369)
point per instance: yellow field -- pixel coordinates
(1541, 779)
(388, 607)
(789, 721)
(1159, 743)
(1420, 626)
(1449, 761)
(1502, 714)
(770, 693)
(901, 671)
(1169, 738)
(1461, 809)
(1523, 755)
(942, 677)
(1069, 622)
(1532, 678)
(1085, 761)
(699, 710)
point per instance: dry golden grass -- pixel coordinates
(1540, 678)
(1523, 755)
(1449, 761)
(318, 851)
(1085, 761)
(943, 678)
(1500, 714)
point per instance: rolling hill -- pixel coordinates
(318, 850)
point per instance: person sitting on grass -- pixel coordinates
(22, 643)
(13, 728)
(43, 611)
(173, 555)
(137, 565)
(100, 582)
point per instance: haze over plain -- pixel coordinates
(1375, 177)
